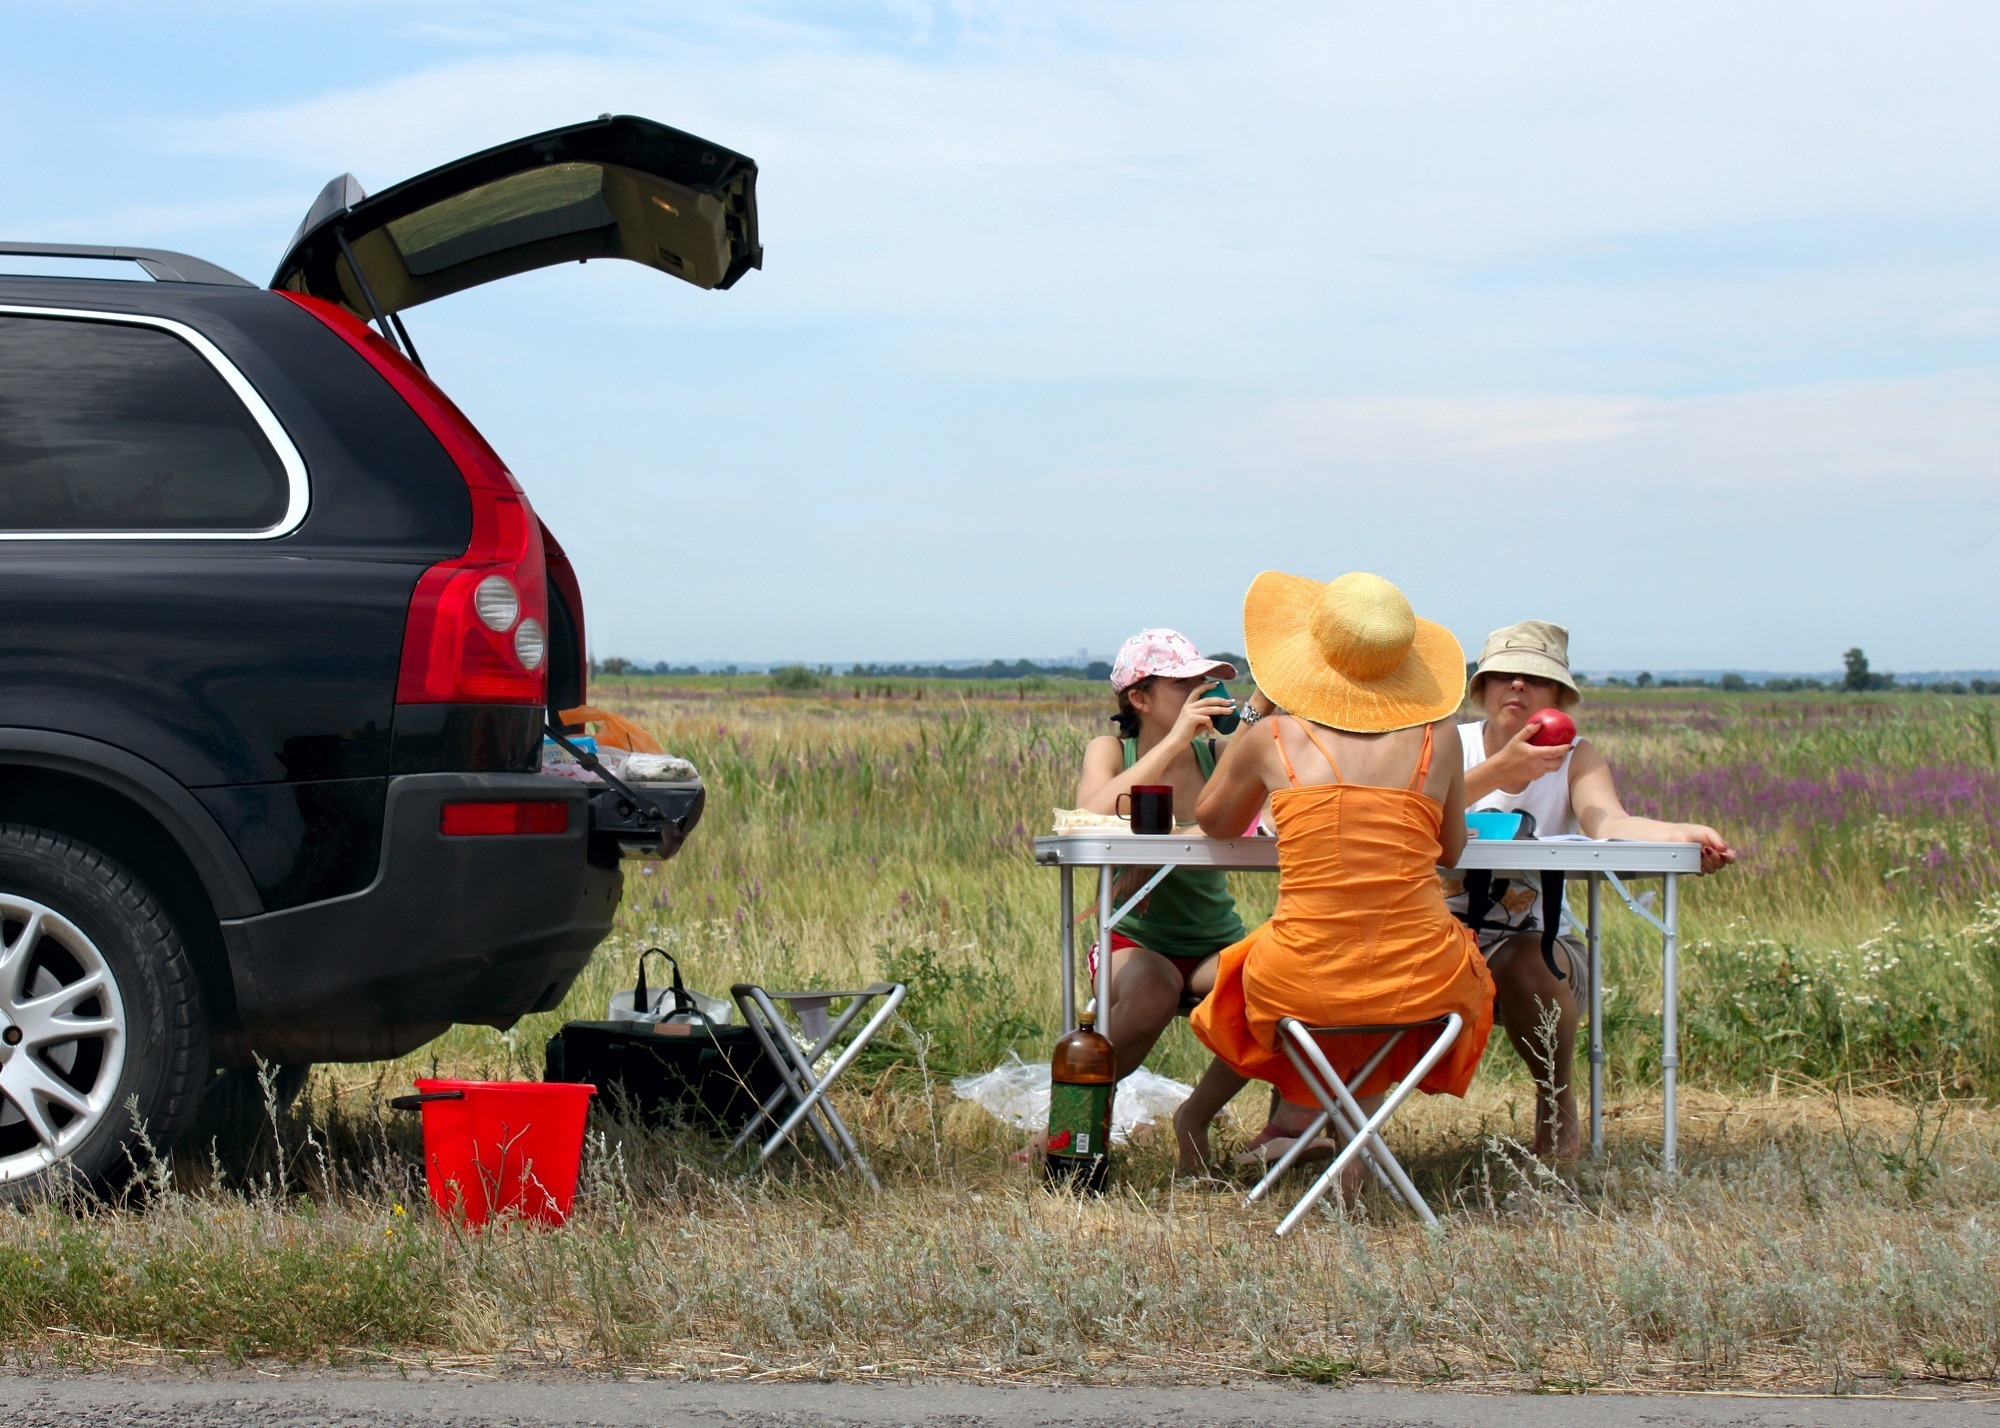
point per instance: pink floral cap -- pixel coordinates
(1167, 653)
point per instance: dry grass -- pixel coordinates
(1825, 1238)
(1807, 1245)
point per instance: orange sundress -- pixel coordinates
(1361, 937)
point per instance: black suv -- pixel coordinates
(283, 638)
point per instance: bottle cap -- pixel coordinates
(1087, 1017)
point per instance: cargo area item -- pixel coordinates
(507, 1149)
(614, 731)
(701, 1076)
(644, 819)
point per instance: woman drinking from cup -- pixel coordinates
(1164, 952)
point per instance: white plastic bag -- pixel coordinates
(657, 768)
(1017, 1092)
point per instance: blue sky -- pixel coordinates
(1679, 325)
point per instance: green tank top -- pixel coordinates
(1190, 914)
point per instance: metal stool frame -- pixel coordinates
(805, 1087)
(1339, 1108)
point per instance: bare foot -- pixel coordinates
(1272, 1142)
(1191, 1137)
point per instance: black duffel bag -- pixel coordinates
(668, 1075)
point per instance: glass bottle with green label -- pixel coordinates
(1082, 1080)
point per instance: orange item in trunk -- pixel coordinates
(613, 729)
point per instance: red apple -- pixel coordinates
(1557, 728)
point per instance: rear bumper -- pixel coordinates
(452, 929)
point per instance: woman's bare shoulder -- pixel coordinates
(1585, 759)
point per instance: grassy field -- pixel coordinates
(1841, 1152)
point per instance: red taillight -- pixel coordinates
(477, 631)
(472, 820)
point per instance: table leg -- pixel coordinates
(1594, 943)
(1670, 1026)
(1104, 882)
(1067, 916)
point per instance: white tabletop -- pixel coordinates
(1195, 850)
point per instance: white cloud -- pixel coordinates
(1334, 283)
(1972, 322)
(1294, 140)
(1931, 435)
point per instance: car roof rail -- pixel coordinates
(161, 265)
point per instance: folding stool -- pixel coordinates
(1339, 1108)
(802, 1083)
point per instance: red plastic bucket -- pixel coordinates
(508, 1148)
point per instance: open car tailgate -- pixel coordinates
(616, 187)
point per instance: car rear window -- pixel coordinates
(521, 208)
(109, 426)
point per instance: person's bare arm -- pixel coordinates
(1594, 798)
(1237, 788)
(1104, 778)
(1446, 749)
(1518, 764)
(1103, 762)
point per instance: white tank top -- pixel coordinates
(1519, 904)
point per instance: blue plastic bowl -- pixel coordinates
(1493, 823)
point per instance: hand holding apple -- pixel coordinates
(1555, 728)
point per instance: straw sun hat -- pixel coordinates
(1349, 653)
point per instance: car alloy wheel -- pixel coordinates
(62, 1036)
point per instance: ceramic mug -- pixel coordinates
(1152, 807)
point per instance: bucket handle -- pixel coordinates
(411, 1103)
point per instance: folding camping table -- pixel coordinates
(1599, 862)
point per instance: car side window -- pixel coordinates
(111, 426)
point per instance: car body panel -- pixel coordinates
(241, 662)
(307, 841)
(615, 187)
(477, 929)
(231, 891)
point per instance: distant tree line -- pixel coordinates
(1858, 679)
(992, 669)
(618, 665)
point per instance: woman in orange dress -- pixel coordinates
(1367, 787)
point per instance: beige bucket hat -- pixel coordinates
(1534, 648)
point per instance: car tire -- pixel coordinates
(103, 1037)
(237, 1092)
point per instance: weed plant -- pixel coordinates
(1830, 1230)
